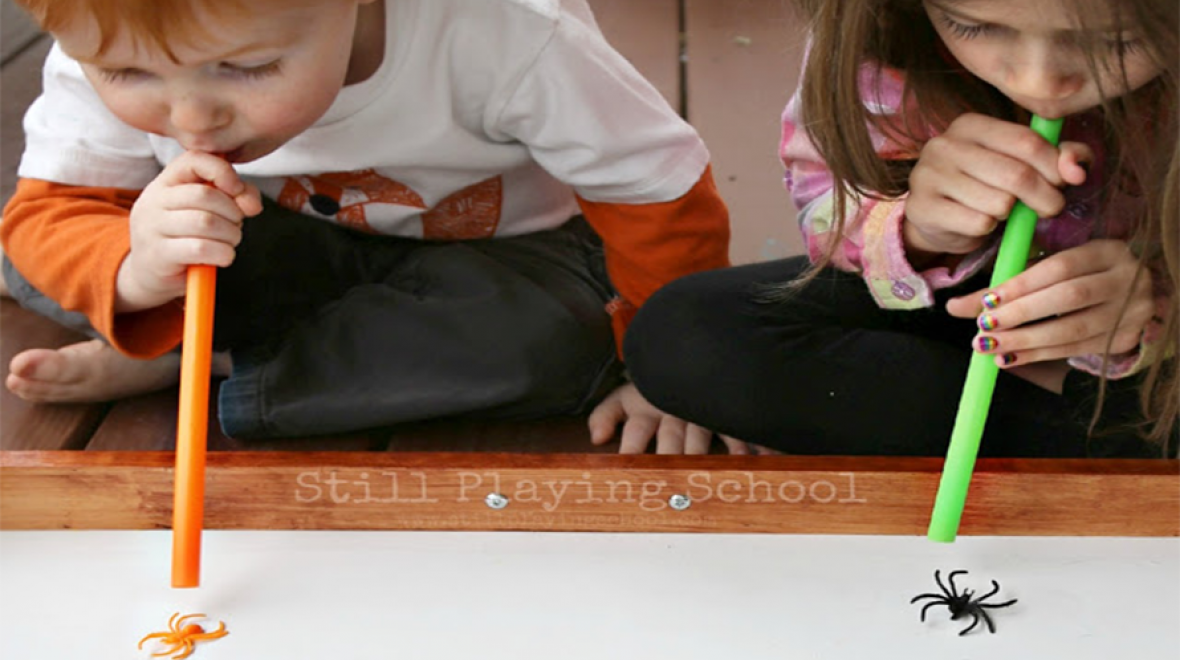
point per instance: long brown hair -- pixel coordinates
(847, 36)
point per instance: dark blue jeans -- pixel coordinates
(333, 331)
(829, 372)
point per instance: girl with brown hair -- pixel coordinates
(906, 146)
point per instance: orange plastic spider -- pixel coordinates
(182, 638)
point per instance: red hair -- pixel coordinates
(152, 23)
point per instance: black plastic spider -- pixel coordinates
(961, 604)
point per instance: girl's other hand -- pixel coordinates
(967, 180)
(1063, 306)
(642, 422)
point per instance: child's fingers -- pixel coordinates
(191, 251)
(960, 230)
(1123, 341)
(968, 306)
(671, 436)
(993, 204)
(199, 167)
(203, 225)
(1075, 334)
(951, 170)
(964, 220)
(605, 419)
(1011, 179)
(1072, 162)
(1071, 295)
(697, 440)
(1017, 141)
(1070, 276)
(637, 433)
(736, 447)
(249, 201)
(199, 197)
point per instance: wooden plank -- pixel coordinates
(27, 426)
(647, 33)
(148, 423)
(17, 30)
(743, 64)
(21, 82)
(834, 495)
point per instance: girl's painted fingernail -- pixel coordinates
(1006, 360)
(986, 344)
(991, 300)
(987, 323)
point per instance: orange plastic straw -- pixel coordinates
(188, 506)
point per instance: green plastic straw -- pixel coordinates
(981, 374)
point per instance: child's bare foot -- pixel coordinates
(88, 371)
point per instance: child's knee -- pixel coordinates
(561, 366)
(672, 323)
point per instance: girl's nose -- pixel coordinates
(1047, 76)
(197, 115)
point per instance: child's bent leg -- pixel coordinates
(827, 371)
(504, 328)
(88, 371)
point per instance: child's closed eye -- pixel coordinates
(123, 74)
(966, 30)
(251, 71)
(1124, 46)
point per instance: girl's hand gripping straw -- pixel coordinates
(981, 374)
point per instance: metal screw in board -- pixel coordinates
(496, 501)
(680, 502)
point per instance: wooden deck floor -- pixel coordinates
(727, 65)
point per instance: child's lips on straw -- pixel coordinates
(229, 156)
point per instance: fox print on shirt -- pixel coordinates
(348, 198)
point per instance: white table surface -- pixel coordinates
(419, 595)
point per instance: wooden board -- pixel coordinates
(743, 64)
(21, 81)
(837, 495)
(17, 30)
(647, 33)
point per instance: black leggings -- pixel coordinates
(829, 372)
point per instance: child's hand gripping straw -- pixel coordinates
(188, 507)
(981, 374)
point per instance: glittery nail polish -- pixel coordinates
(991, 300)
(987, 322)
(986, 344)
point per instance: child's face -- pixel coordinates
(257, 83)
(1032, 53)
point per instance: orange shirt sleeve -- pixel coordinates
(649, 245)
(69, 242)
